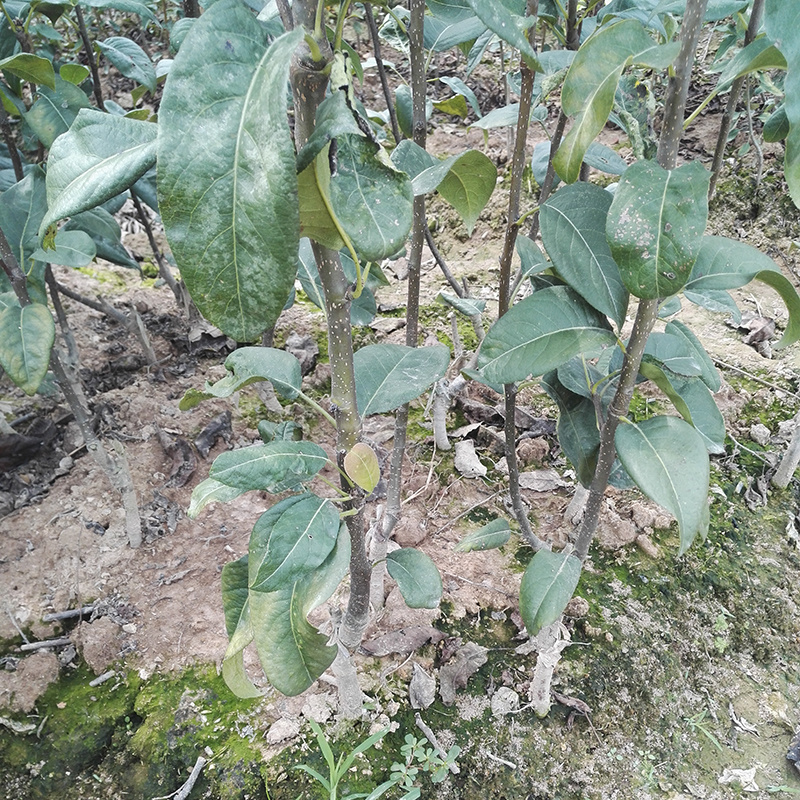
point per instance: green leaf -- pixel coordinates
(30, 68)
(26, 339)
(272, 467)
(417, 577)
(279, 431)
(577, 429)
(468, 185)
(248, 365)
(532, 260)
(727, 264)
(334, 118)
(573, 224)
(372, 201)
(757, 56)
(458, 87)
(130, 60)
(591, 83)
(776, 128)
(316, 220)
(55, 110)
(390, 375)
(782, 23)
(293, 653)
(673, 352)
(547, 586)
(237, 623)
(72, 249)
(709, 373)
(74, 73)
(539, 333)
(667, 459)
(132, 6)
(211, 491)
(507, 19)
(105, 232)
(228, 197)
(362, 467)
(468, 306)
(494, 534)
(290, 540)
(503, 117)
(655, 226)
(454, 106)
(22, 209)
(99, 157)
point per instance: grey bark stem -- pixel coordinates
(309, 82)
(518, 159)
(387, 92)
(383, 533)
(647, 313)
(8, 138)
(87, 45)
(733, 99)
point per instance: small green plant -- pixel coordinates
(419, 758)
(338, 767)
(698, 723)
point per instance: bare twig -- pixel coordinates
(83, 611)
(100, 679)
(46, 643)
(90, 57)
(183, 792)
(387, 92)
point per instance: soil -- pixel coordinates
(684, 674)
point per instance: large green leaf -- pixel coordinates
(272, 467)
(290, 540)
(547, 586)
(55, 110)
(372, 201)
(130, 60)
(727, 264)
(389, 375)
(577, 429)
(667, 459)
(507, 19)
(100, 156)
(72, 249)
(673, 352)
(293, 652)
(21, 211)
(782, 23)
(591, 83)
(30, 68)
(226, 170)
(26, 338)
(248, 365)
(539, 333)
(237, 623)
(573, 226)
(417, 577)
(655, 226)
(494, 534)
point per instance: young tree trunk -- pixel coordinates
(518, 159)
(309, 82)
(647, 314)
(383, 532)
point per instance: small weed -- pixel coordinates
(698, 723)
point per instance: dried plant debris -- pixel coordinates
(455, 675)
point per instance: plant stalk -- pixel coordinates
(87, 45)
(518, 159)
(387, 92)
(8, 138)
(647, 313)
(733, 99)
